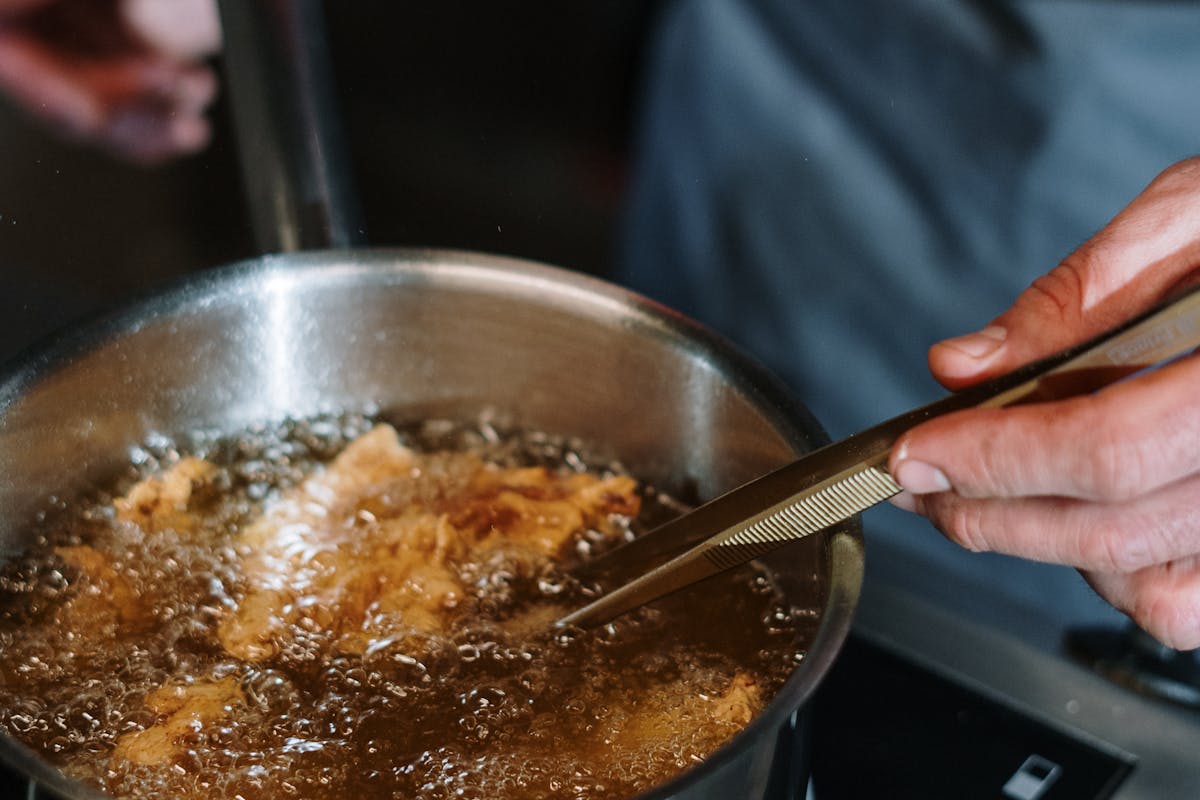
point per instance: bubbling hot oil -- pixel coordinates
(476, 711)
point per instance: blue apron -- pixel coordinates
(837, 185)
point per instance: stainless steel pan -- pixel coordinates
(413, 333)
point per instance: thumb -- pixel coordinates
(1147, 249)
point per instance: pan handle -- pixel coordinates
(294, 161)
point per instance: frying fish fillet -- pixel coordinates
(369, 548)
(658, 714)
(373, 545)
(740, 701)
(184, 711)
(164, 500)
(103, 596)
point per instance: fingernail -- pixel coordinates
(921, 478)
(981, 343)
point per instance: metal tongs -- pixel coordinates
(837, 481)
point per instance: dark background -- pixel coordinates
(501, 127)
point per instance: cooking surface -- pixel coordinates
(931, 705)
(926, 734)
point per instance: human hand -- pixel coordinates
(1108, 483)
(126, 75)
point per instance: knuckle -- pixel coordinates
(1169, 625)
(1108, 476)
(1111, 470)
(1116, 551)
(963, 523)
(998, 464)
(1059, 293)
(1171, 618)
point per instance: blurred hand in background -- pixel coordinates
(128, 76)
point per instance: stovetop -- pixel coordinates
(925, 704)
(889, 727)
